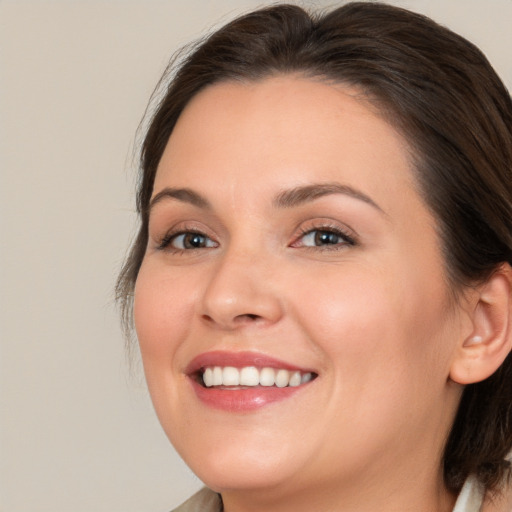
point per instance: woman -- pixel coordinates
(322, 280)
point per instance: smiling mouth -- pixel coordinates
(232, 378)
(243, 382)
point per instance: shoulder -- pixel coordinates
(203, 501)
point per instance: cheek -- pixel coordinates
(162, 315)
(384, 345)
(351, 324)
(374, 325)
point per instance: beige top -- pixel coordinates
(203, 501)
(470, 500)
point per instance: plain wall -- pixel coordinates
(77, 430)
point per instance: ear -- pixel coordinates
(481, 353)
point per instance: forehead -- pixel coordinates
(281, 132)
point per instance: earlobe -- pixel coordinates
(482, 352)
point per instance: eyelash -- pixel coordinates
(165, 243)
(346, 239)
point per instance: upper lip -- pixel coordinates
(239, 360)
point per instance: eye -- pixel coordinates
(186, 240)
(324, 237)
(317, 238)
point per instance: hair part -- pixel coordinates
(441, 93)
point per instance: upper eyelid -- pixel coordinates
(347, 239)
(326, 224)
(173, 237)
(176, 227)
(173, 233)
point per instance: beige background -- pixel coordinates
(77, 431)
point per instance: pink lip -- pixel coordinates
(243, 399)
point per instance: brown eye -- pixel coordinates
(326, 238)
(319, 238)
(191, 240)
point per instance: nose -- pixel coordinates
(241, 292)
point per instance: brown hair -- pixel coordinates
(440, 91)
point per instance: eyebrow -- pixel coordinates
(286, 199)
(185, 195)
(303, 194)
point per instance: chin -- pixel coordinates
(240, 464)
(242, 475)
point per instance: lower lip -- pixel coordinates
(243, 399)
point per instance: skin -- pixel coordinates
(373, 318)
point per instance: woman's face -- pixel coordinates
(286, 233)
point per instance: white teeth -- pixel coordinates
(306, 378)
(252, 376)
(267, 377)
(230, 376)
(208, 377)
(249, 376)
(295, 379)
(217, 376)
(282, 378)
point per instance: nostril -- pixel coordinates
(246, 318)
(208, 318)
(249, 317)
